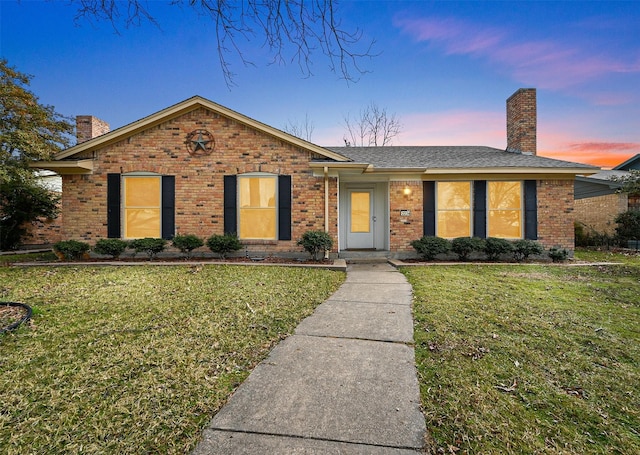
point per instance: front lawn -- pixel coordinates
(529, 358)
(138, 359)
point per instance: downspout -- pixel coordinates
(326, 206)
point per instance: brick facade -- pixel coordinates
(199, 179)
(522, 121)
(404, 229)
(88, 127)
(555, 213)
(597, 214)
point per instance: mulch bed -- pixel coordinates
(9, 315)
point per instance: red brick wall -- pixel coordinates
(555, 213)
(43, 231)
(598, 213)
(405, 229)
(522, 120)
(88, 127)
(199, 179)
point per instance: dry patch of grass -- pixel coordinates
(138, 359)
(529, 359)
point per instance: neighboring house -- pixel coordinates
(201, 168)
(598, 200)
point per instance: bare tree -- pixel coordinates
(293, 30)
(373, 127)
(302, 129)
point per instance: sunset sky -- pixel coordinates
(444, 68)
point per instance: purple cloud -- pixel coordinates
(545, 64)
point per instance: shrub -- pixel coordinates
(429, 247)
(315, 242)
(522, 249)
(110, 247)
(495, 247)
(187, 243)
(628, 225)
(223, 244)
(148, 245)
(71, 249)
(558, 254)
(464, 246)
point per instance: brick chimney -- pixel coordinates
(88, 127)
(522, 121)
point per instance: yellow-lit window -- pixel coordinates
(453, 209)
(505, 209)
(142, 198)
(257, 215)
(360, 208)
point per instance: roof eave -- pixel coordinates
(64, 167)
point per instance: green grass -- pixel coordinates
(631, 257)
(529, 359)
(138, 359)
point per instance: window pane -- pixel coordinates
(506, 224)
(505, 195)
(257, 214)
(258, 223)
(454, 209)
(505, 210)
(452, 224)
(142, 191)
(360, 208)
(140, 223)
(142, 207)
(454, 195)
(257, 192)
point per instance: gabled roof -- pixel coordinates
(182, 108)
(631, 163)
(453, 159)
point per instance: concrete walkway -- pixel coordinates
(344, 383)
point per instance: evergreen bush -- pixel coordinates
(110, 247)
(495, 247)
(628, 225)
(558, 254)
(522, 249)
(464, 246)
(224, 244)
(148, 245)
(71, 249)
(429, 247)
(187, 243)
(315, 242)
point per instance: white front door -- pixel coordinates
(361, 219)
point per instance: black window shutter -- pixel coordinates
(113, 206)
(480, 208)
(168, 206)
(230, 204)
(429, 208)
(530, 210)
(284, 207)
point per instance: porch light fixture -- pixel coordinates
(406, 191)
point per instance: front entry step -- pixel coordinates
(364, 255)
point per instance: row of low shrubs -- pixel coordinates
(220, 244)
(314, 242)
(429, 247)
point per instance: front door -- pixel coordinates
(361, 219)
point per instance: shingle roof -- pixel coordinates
(449, 157)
